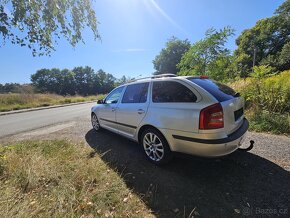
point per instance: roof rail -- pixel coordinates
(164, 75)
(154, 77)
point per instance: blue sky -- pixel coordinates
(133, 32)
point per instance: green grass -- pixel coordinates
(10, 102)
(60, 179)
(263, 121)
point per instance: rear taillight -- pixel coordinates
(211, 117)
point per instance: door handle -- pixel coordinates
(140, 111)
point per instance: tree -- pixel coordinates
(12, 87)
(284, 57)
(265, 43)
(67, 83)
(42, 80)
(284, 9)
(206, 54)
(38, 24)
(80, 80)
(123, 80)
(106, 81)
(85, 80)
(170, 56)
(222, 68)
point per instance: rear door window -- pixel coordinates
(220, 91)
(136, 93)
(170, 91)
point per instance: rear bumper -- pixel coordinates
(232, 137)
(211, 147)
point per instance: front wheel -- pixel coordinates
(95, 122)
(156, 147)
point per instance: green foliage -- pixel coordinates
(222, 68)
(271, 94)
(106, 81)
(208, 54)
(262, 71)
(284, 9)
(170, 56)
(84, 80)
(39, 24)
(80, 80)
(267, 100)
(263, 121)
(284, 57)
(266, 43)
(123, 80)
(16, 88)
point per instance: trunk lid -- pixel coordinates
(232, 103)
(233, 114)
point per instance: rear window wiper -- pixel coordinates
(237, 94)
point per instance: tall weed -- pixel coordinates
(271, 93)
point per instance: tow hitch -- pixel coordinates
(252, 142)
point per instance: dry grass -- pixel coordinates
(10, 102)
(240, 85)
(263, 121)
(59, 179)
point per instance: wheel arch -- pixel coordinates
(148, 126)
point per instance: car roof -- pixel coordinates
(161, 77)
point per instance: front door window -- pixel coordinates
(114, 96)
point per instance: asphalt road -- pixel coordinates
(17, 123)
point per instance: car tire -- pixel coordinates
(95, 122)
(156, 147)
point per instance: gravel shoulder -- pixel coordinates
(243, 184)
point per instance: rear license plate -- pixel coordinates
(239, 113)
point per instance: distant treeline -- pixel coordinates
(80, 80)
(15, 88)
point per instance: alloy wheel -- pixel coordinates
(95, 122)
(153, 146)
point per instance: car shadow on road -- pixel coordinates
(239, 185)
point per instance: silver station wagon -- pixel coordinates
(168, 113)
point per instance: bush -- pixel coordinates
(271, 93)
(267, 100)
(263, 121)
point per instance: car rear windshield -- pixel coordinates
(220, 91)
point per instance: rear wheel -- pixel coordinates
(95, 122)
(156, 147)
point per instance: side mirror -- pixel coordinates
(101, 101)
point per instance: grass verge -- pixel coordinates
(263, 121)
(9, 102)
(60, 179)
